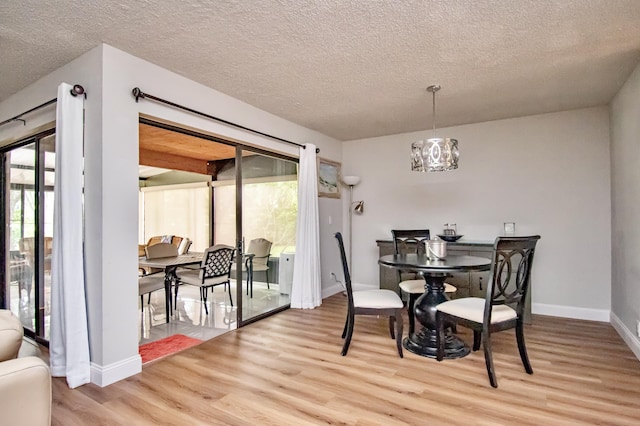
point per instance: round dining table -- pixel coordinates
(434, 271)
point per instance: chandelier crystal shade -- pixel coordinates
(434, 154)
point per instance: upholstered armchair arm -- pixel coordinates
(25, 392)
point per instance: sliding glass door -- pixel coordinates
(28, 177)
(260, 217)
(268, 234)
(219, 192)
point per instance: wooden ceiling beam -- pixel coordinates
(214, 167)
(173, 162)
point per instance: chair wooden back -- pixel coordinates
(261, 249)
(217, 261)
(345, 269)
(409, 241)
(161, 250)
(510, 274)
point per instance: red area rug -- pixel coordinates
(165, 347)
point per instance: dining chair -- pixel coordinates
(152, 279)
(157, 251)
(149, 283)
(160, 250)
(503, 306)
(259, 251)
(215, 269)
(369, 302)
(411, 283)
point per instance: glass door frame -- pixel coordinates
(239, 147)
(39, 189)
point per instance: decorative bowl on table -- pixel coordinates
(450, 238)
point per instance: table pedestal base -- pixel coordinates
(423, 343)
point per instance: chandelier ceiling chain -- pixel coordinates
(434, 154)
(433, 89)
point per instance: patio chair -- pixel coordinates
(215, 269)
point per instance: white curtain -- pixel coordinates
(306, 290)
(69, 344)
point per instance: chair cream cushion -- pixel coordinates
(184, 245)
(376, 299)
(10, 335)
(260, 248)
(25, 392)
(160, 250)
(194, 277)
(417, 286)
(472, 308)
(25, 383)
(149, 283)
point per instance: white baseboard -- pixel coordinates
(337, 288)
(105, 375)
(602, 315)
(331, 290)
(627, 335)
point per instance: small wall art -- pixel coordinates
(328, 178)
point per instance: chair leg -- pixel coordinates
(392, 326)
(230, 296)
(266, 274)
(477, 338)
(399, 326)
(346, 326)
(521, 346)
(439, 336)
(203, 298)
(142, 302)
(175, 300)
(347, 341)
(412, 314)
(488, 358)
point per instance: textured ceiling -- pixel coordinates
(349, 68)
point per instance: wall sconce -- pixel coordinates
(359, 208)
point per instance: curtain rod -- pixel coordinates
(77, 90)
(137, 93)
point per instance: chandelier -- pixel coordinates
(434, 154)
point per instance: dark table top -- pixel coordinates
(451, 263)
(460, 243)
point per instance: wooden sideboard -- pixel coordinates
(472, 284)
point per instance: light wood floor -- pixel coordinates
(287, 370)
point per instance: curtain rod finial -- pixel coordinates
(137, 93)
(78, 90)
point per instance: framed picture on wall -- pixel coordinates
(328, 178)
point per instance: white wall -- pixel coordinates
(87, 71)
(111, 156)
(548, 173)
(625, 207)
